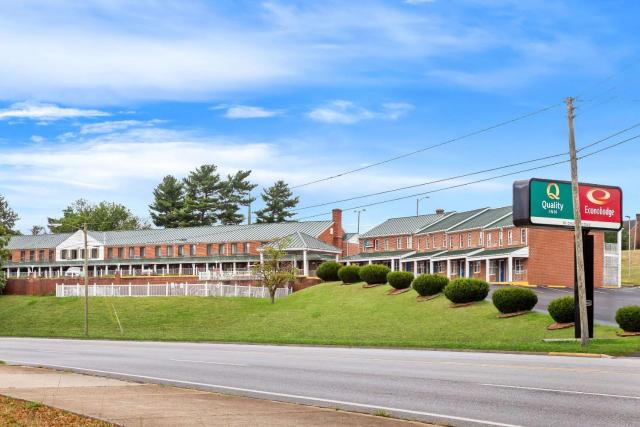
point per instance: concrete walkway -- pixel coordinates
(133, 404)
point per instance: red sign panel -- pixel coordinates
(600, 207)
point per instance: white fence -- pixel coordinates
(169, 289)
(611, 265)
(227, 275)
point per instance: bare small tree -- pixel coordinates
(275, 273)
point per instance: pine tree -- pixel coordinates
(167, 208)
(8, 216)
(278, 201)
(202, 198)
(235, 192)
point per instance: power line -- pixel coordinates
(440, 144)
(479, 180)
(506, 166)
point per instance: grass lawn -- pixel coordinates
(18, 413)
(324, 314)
(634, 277)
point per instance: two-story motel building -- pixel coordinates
(481, 243)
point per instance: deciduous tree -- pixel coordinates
(8, 216)
(275, 273)
(105, 216)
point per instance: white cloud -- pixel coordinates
(346, 112)
(45, 112)
(116, 125)
(248, 112)
(37, 139)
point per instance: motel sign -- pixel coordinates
(545, 202)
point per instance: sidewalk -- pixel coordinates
(132, 404)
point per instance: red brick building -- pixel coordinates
(480, 243)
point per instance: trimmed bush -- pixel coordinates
(400, 279)
(328, 271)
(461, 291)
(513, 300)
(429, 284)
(349, 274)
(374, 274)
(629, 318)
(562, 310)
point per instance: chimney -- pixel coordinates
(439, 211)
(338, 232)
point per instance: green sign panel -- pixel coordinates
(551, 203)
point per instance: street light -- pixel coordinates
(629, 242)
(418, 204)
(359, 211)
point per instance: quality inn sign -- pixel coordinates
(547, 202)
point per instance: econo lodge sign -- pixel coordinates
(550, 203)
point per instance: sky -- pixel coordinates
(101, 99)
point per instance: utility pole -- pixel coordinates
(582, 291)
(629, 244)
(359, 211)
(418, 204)
(86, 280)
(249, 215)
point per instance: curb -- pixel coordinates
(588, 355)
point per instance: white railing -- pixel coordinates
(169, 289)
(240, 274)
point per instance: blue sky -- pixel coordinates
(101, 99)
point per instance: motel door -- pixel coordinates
(501, 271)
(461, 264)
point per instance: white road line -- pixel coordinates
(268, 393)
(599, 292)
(206, 362)
(563, 391)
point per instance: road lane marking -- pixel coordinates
(619, 396)
(269, 393)
(207, 362)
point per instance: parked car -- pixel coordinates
(73, 272)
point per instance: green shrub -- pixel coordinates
(328, 271)
(460, 291)
(562, 310)
(512, 300)
(374, 274)
(429, 284)
(349, 274)
(400, 279)
(629, 318)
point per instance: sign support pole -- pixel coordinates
(579, 249)
(588, 255)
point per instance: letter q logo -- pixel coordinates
(598, 196)
(553, 191)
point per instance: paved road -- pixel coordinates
(453, 388)
(607, 301)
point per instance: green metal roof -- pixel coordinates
(211, 234)
(484, 219)
(504, 222)
(497, 252)
(363, 256)
(462, 253)
(302, 241)
(402, 225)
(429, 254)
(452, 220)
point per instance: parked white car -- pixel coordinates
(73, 272)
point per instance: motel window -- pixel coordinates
(477, 266)
(23, 255)
(209, 249)
(142, 251)
(169, 251)
(468, 240)
(518, 266)
(221, 249)
(245, 248)
(110, 253)
(426, 243)
(32, 255)
(120, 252)
(74, 254)
(398, 243)
(41, 255)
(450, 243)
(493, 267)
(158, 251)
(455, 267)
(500, 237)
(376, 244)
(523, 235)
(510, 237)
(132, 252)
(409, 242)
(489, 239)
(180, 250)
(461, 243)
(418, 243)
(480, 238)
(192, 250)
(444, 240)
(386, 244)
(81, 253)
(94, 253)
(433, 240)
(52, 254)
(234, 248)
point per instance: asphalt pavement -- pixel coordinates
(606, 301)
(452, 388)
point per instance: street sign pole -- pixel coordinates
(588, 255)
